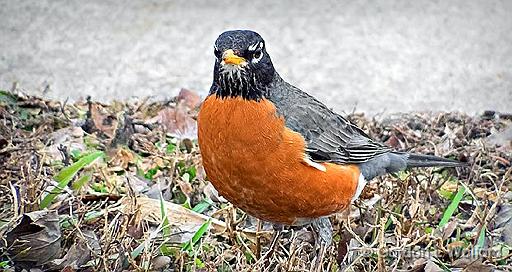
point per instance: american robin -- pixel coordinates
(278, 153)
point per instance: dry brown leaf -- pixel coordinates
(79, 253)
(213, 194)
(449, 229)
(484, 193)
(122, 158)
(393, 141)
(159, 263)
(178, 122)
(504, 223)
(418, 265)
(34, 239)
(141, 144)
(472, 265)
(343, 246)
(185, 186)
(432, 267)
(151, 163)
(190, 98)
(201, 173)
(450, 187)
(414, 207)
(137, 184)
(103, 121)
(456, 244)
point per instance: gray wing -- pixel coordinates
(329, 136)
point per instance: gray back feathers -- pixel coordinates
(332, 138)
(328, 135)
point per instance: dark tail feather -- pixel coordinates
(419, 160)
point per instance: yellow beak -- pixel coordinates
(229, 57)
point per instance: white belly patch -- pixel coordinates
(360, 186)
(313, 164)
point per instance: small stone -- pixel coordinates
(160, 262)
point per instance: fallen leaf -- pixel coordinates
(345, 238)
(122, 158)
(393, 141)
(449, 229)
(484, 193)
(502, 138)
(201, 173)
(137, 184)
(418, 265)
(472, 265)
(34, 239)
(152, 162)
(369, 191)
(454, 245)
(178, 122)
(432, 267)
(504, 223)
(450, 187)
(78, 254)
(184, 184)
(103, 121)
(190, 98)
(213, 194)
(142, 145)
(414, 207)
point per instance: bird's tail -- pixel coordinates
(396, 161)
(419, 160)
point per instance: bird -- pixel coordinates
(278, 153)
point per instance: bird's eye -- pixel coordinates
(257, 55)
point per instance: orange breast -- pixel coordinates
(258, 164)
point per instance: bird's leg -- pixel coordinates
(265, 260)
(278, 229)
(258, 239)
(323, 230)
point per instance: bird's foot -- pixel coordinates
(265, 259)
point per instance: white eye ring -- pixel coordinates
(257, 58)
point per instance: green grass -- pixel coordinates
(189, 246)
(67, 174)
(448, 213)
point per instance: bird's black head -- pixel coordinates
(242, 67)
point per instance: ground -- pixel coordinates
(88, 186)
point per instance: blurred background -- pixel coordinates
(377, 57)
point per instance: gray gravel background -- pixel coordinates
(378, 56)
